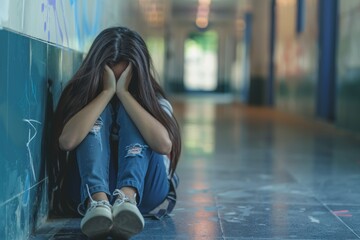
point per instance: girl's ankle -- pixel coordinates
(99, 196)
(128, 191)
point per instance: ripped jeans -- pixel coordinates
(136, 165)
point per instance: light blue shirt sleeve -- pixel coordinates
(166, 106)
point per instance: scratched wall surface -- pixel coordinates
(348, 66)
(27, 99)
(296, 56)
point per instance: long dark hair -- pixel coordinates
(110, 47)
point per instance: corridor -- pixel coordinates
(266, 92)
(254, 173)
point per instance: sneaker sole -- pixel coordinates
(126, 224)
(97, 227)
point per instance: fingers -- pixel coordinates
(109, 81)
(128, 68)
(107, 68)
(126, 72)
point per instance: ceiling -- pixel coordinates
(156, 12)
(220, 10)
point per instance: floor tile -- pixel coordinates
(255, 173)
(349, 215)
(281, 221)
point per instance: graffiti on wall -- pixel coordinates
(71, 30)
(86, 26)
(68, 23)
(32, 134)
(49, 10)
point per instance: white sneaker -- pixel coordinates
(97, 221)
(127, 219)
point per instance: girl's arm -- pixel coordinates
(77, 128)
(154, 133)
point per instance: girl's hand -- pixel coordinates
(109, 81)
(124, 81)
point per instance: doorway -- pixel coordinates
(201, 62)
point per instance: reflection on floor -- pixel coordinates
(254, 173)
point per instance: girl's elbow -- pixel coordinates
(66, 144)
(165, 147)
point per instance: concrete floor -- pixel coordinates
(254, 173)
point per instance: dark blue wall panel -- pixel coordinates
(55, 72)
(270, 81)
(30, 71)
(17, 166)
(328, 12)
(300, 16)
(3, 105)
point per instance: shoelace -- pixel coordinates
(93, 204)
(123, 198)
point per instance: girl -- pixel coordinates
(114, 99)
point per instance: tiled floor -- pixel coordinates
(255, 173)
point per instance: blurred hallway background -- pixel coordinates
(267, 93)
